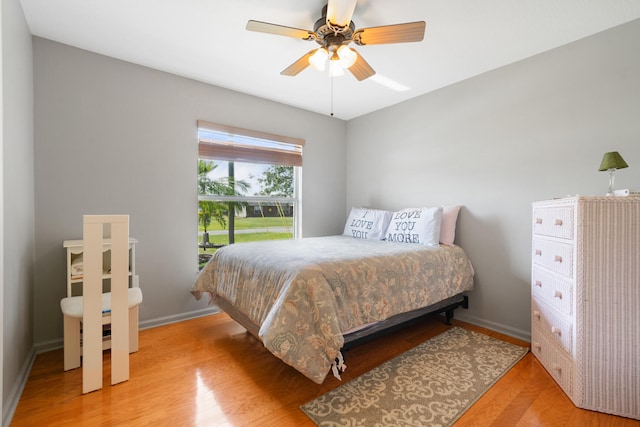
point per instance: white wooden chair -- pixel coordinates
(89, 312)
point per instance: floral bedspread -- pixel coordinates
(305, 293)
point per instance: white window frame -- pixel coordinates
(231, 131)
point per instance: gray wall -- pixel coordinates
(18, 202)
(495, 143)
(112, 137)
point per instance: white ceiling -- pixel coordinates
(206, 40)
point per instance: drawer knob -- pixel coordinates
(556, 331)
(558, 222)
(537, 346)
(538, 252)
(536, 313)
(538, 220)
(557, 294)
(557, 368)
(557, 258)
(538, 283)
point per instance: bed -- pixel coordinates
(306, 299)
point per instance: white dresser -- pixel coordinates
(585, 305)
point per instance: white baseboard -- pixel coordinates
(45, 346)
(9, 406)
(494, 326)
(167, 320)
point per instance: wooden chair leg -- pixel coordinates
(133, 329)
(71, 343)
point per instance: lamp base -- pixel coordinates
(612, 179)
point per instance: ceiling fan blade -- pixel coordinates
(361, 69)
(399, 33)
(339, 12)
(280, 30)
(302, 63)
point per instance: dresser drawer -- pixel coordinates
(561, 368)
(552, 290)
(553, 221)
(553, 255)
(557, 327)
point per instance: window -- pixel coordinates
(247, 186)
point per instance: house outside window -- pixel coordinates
(247, 187)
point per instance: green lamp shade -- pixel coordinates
(612, 160)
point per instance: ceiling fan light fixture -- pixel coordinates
(335, 68)
(347, 56)
(319, 58)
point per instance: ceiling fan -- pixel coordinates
(333, 32)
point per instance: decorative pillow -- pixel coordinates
(448, 226)
(367, 223)
(416, 225)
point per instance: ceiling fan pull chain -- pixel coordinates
(331, 78)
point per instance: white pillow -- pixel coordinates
(448, 226)
(416, 225)
(367, 223)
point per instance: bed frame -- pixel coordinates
(400, 321)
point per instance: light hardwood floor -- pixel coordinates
(210, 372)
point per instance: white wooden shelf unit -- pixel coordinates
(75, 249)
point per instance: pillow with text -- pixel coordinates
(366, 223)
(416, 225)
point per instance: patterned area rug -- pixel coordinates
(432, 384)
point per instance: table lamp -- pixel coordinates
(611, 162)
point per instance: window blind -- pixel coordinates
(223, 142)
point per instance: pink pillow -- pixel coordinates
(448, 225)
